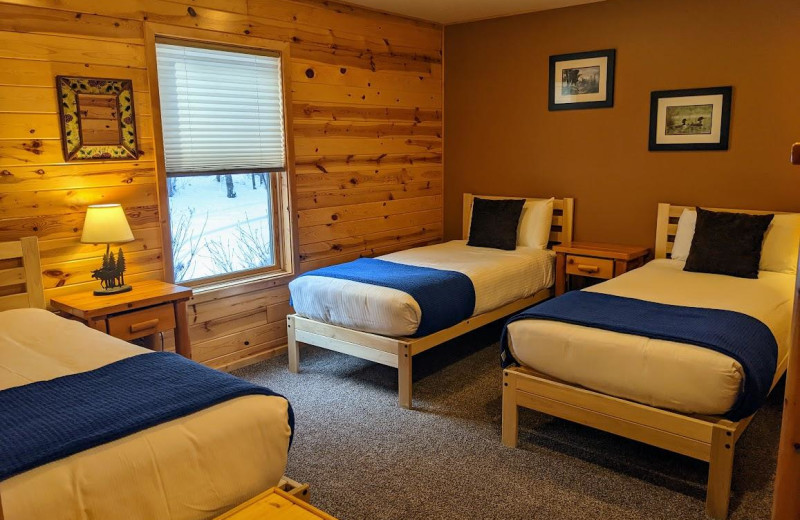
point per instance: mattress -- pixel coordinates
(191, 468)
(665, 374)
(499, 278)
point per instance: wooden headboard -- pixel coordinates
(667, 224)
(560, 229)
(20, 275)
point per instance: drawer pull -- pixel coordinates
(145, 325)
(588, 268)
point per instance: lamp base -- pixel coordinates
(115, 290)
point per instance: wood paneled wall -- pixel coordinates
(367, 121)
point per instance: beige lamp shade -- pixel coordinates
(106, 224)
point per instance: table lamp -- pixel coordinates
(106, 224)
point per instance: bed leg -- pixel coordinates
(510, 419)
(404, 376)
(293, 346)
(720, 472)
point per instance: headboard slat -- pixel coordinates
(12, 276)
(10, 250)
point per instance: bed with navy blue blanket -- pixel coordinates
(90, 424)
(665, 332)
(420, 291)
(50, 420)
(445, 297)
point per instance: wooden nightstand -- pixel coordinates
(150, 308)
(276, 504)
(595, 260)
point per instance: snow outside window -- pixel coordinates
(222, 120)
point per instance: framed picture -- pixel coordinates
(582, 80)
(693, 119)
(97, 119)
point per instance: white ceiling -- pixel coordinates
(458, 11)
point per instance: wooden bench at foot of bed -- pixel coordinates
(394, 352)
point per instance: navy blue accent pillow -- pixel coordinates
(727, 243)
(494, 223)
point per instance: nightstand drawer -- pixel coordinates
(141, 323)
(587, 266)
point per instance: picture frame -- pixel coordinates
(690, 119)
(97, 118)
(581, 80)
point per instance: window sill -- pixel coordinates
(244, 284)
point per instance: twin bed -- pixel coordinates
(193, 467)
(668, 394)
(377, 323)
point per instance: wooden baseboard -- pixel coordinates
(247, 361)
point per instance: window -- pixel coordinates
(224, 156)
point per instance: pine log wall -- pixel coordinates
(367, 120)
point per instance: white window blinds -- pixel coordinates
(221, 111)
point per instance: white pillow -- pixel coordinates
(534, 224)
(684, 235)
(779, 252)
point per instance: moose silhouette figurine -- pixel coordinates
(112, 273)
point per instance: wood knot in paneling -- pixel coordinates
(34, 147)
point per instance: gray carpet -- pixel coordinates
(368, 459)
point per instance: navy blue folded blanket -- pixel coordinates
(737, 335)
(49, 420)
(444, 297)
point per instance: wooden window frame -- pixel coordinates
(283, 190)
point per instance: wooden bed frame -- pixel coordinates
(21, 287)
(708, 438)
(20, 275)
(20, 280)
(398, 352)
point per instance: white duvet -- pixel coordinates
(192, 468)
(499, 277)
(665, 374)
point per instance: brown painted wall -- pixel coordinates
(501, 139)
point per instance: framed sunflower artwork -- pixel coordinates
(97, 118)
